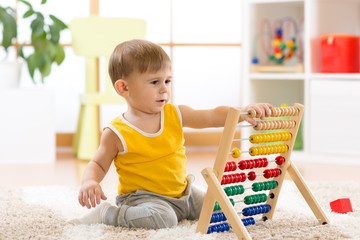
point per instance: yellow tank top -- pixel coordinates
(153, 162)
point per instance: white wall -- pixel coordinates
(203, 76)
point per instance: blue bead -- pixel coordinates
(245, 222)
(254, 60)
(212, 218)
(227, 226)
(221, 228)
(267, 208)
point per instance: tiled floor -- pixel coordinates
(67, 170)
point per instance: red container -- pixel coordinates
(339, 53)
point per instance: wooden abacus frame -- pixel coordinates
(214, 176)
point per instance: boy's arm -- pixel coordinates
(91, 193)
(216, 117)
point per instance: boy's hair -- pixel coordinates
(136, 55)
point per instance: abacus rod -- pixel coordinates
(240, 139)
(240, 152)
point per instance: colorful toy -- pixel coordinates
(218, 213)
(281, 46)
(342, 205)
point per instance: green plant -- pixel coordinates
(45, 38)
(9, 27)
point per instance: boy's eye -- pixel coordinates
(154, 82)
(168, 81)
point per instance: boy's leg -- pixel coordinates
(141, 212)
(196, 199)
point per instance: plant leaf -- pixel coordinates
(43, 1)
(44, 65)
(32, 63)
(60, 54)
(54, 33)
(58, 22)
(9, 28)
(28, 13)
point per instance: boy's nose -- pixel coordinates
(163, 88)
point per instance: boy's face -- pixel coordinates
(149, 92)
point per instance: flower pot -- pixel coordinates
(10, 73)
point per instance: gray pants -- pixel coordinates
(144, 209)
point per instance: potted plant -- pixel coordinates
(9, 70)
(45, 36)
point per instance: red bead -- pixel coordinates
(251, 176)
(242, 164)
(257, 163)
(279, 160)
(267, 173)
(243, 177)
(266, 162)
(226, 167)
(225, 179)
(262, 162)
(233, 166)
(277, 172)
(232, 178)
(250, 164)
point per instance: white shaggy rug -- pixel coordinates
(42, 212)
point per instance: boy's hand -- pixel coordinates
(263, 109)
(91, 191)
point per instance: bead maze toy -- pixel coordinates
(218, 207)
(281, 47)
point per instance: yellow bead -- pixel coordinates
(236, 153)
(290, 44)
(253, 151)
(254, 138)
(276, 42)
(278, 55)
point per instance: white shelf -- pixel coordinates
(275, 1)
(313, 89)
(277, 76)
(335, 76)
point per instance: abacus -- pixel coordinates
(218, 213)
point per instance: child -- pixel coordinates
(146, 144)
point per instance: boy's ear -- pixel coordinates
(121, 87)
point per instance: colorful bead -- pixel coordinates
(235, 153)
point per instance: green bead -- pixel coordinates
(282, 46)
(232, 201)
(248, 200)
(255, 187)
(228, 191)
(263, 197)
(217, 206)
(242, 189)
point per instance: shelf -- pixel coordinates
(277, 76)
(335, 76)
(275, 1)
